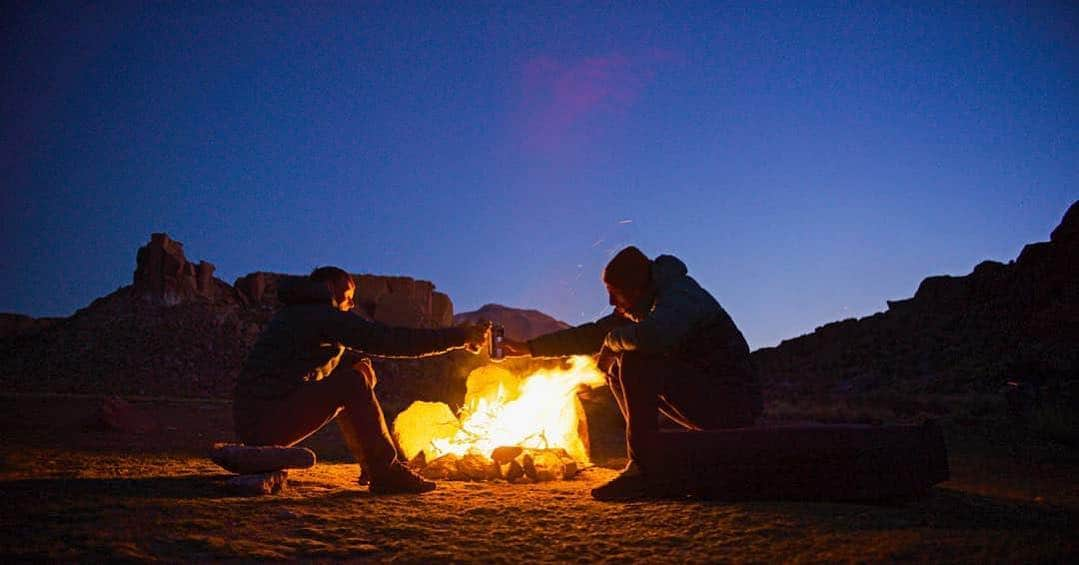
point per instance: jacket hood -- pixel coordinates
(304, 291)
(666, 269)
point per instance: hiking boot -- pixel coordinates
(630, 484)
(398, 479)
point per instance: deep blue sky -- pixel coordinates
(807, 160)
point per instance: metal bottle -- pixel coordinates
(494, 342)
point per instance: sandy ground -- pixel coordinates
(73, 490)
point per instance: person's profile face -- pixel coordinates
(625, 300)
(344, 299)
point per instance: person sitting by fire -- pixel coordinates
(304, 370)
(669, 348)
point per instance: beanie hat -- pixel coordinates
(628, 269)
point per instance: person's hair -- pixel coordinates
(336, 276)
(629, 269)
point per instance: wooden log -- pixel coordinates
(444, 467)
(476, 467)
(248, 460)
(513, 471)
(529, 467)
(547, 466)
(506, 453)
(842, 462)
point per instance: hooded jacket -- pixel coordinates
(684, 321)
(305, 340)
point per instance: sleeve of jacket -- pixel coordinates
(373, 338)
(585, 339)
(660, 331)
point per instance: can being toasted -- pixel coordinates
(494, 342)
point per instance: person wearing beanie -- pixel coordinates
(669, 348)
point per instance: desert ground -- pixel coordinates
(74, 489)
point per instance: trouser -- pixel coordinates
(347, 394)
(645, 386)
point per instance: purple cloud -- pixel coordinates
(566, 99)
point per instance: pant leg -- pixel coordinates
(351, 436)
(289, 420)
(639, 385)
(368, 423)
(691, 397)
(699, 399)
(614, 383)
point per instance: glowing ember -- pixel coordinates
(538, 411)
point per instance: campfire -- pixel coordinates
(518, 428)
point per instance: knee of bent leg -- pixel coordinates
(352, 379)
(364, 367)
(365, 378)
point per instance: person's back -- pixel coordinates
(290, 351)
(704, 335)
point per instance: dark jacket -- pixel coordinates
(305, 341)
(684, 322)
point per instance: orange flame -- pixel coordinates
(539, 410)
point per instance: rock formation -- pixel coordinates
(519, 324)
(14, 325)
(179, 331)
(394, 301)
(164, 275)
(1018, 320)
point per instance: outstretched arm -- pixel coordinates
(381, 340)
(586, 339)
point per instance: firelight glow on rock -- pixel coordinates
(539, 410)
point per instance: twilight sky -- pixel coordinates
(807, 161)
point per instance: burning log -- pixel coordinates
(528, 465)
(512, 471)
(546, 466)
(506, 453)
(444, 467)
(476, 467)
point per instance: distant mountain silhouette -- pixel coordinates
(179, 331)
(1018, 320)
(519, 324)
